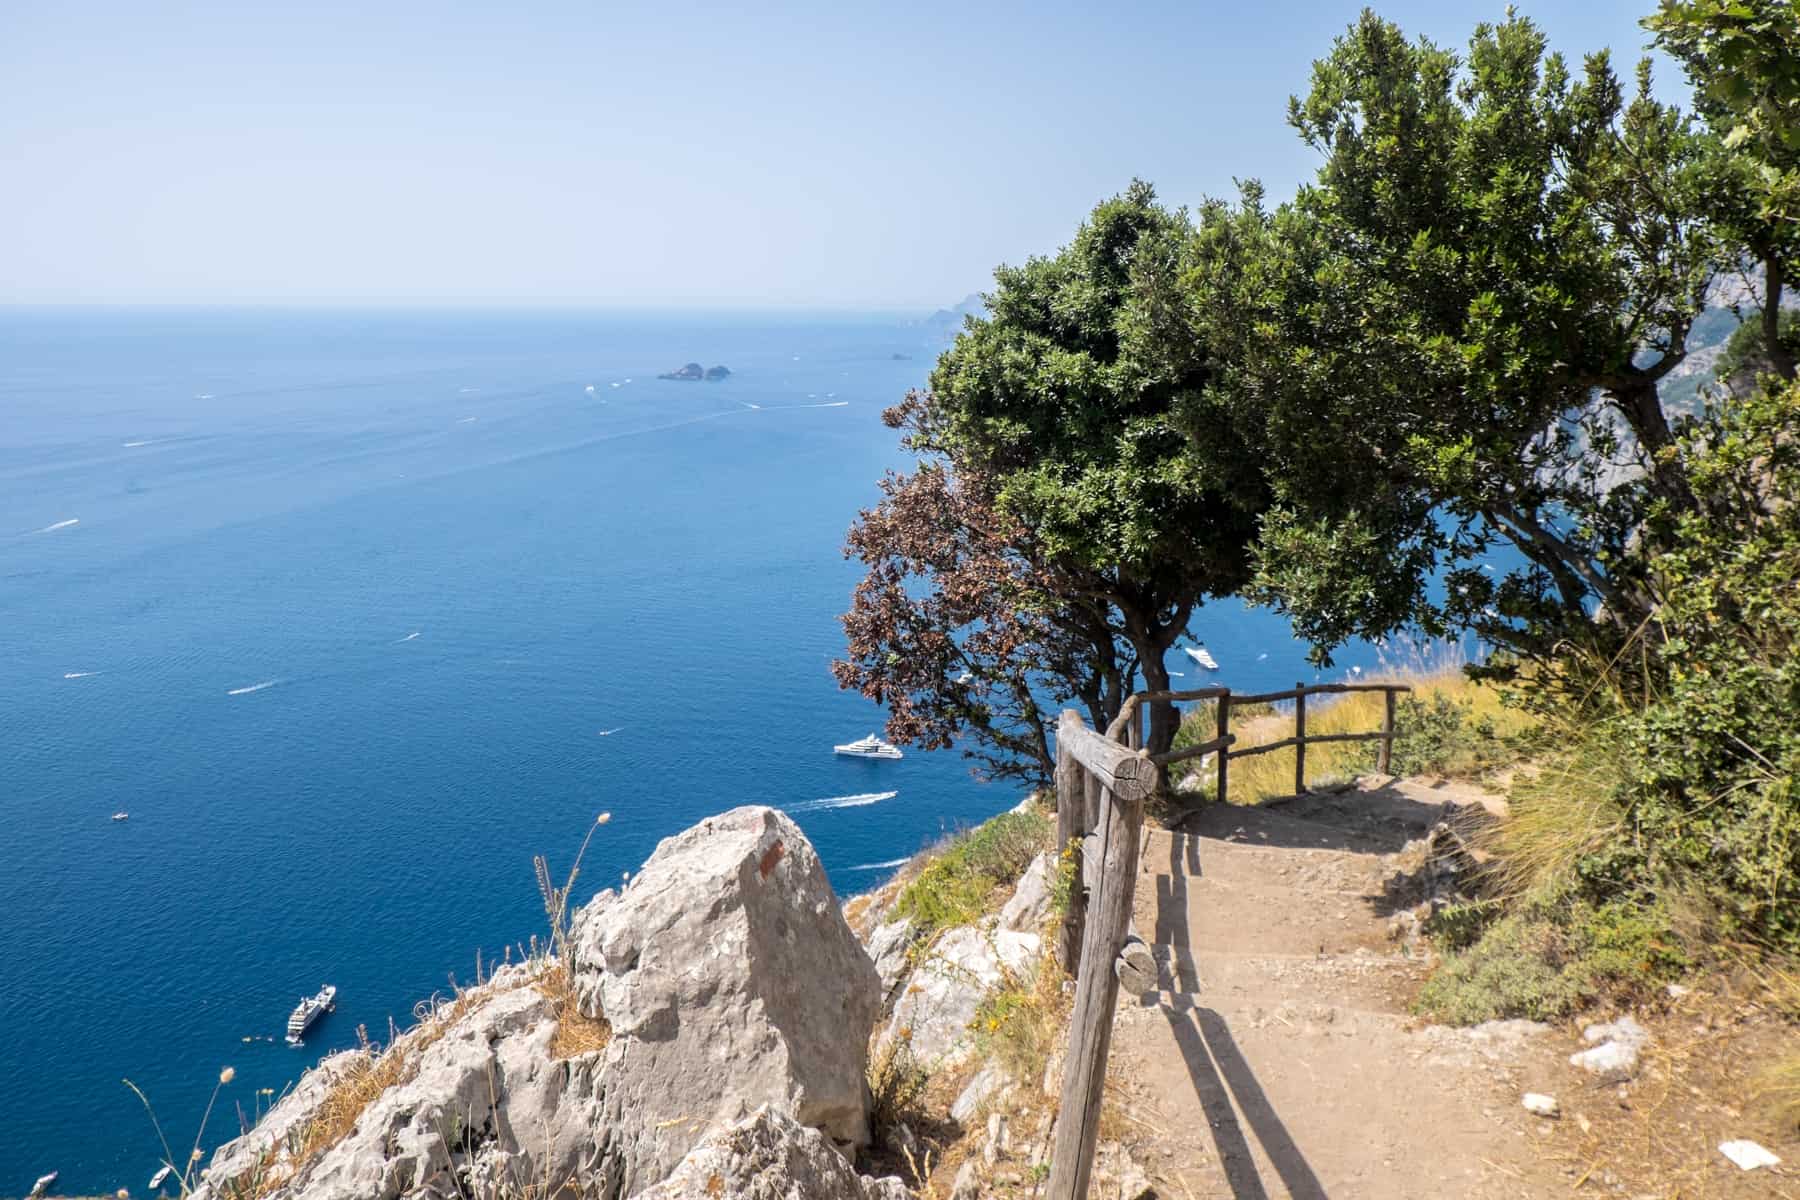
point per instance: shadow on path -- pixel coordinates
(1217, 1067)
(1221, 1075)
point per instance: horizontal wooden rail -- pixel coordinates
(1318, 689)
(1311, 739)
(1128, 774)
(1187, 752)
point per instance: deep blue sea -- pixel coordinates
(337, 605)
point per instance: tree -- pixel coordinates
(1079, 408)
(956, 630)
(1469, 314)
(1743, 58)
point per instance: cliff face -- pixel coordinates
(718, 1005)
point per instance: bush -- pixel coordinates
(954, 888)
(1544, 961)
(1699, 710)
(1441, 734)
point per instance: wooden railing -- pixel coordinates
(1128, 726)
(1102, 781)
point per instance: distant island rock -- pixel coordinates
(694, 371)
(943, 325)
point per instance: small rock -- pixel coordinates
(1026, 911)
(1676, 991)
(1616, 1056)
(986, 1084)
(1747, 1155)
(1541, 1105)
(999, 1139)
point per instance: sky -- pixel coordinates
(671, 155)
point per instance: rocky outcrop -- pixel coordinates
(768, 1156)
(732, 986)
(694, 372)
(731, 981)
(938, 1000)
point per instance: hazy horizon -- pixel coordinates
(813, 160)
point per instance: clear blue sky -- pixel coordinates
(803, 154)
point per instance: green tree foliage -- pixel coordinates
(1468, 315)
(1743, 57)
(1719, 753)
(1082, 401)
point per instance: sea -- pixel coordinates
(353, 613)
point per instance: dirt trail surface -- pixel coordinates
(1278, 1060)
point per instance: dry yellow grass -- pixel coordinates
(1264, 776)
(576, 1032)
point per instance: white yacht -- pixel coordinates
(43, 1183)
(310, 1010)
(868, 747)
(1200, 655)
(158, 1179)
(121, 816)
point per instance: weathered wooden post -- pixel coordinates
(1300, 739)
(1071, 827)
(1126, 778)
(1384, 757)
(1224, 731)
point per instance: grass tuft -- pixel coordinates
(956, 886)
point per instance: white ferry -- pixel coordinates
(1200, 655)
(868, 747)
(310, 1010)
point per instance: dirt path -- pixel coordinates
(1278, 1060)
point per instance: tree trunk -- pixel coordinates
(1780, 361)
(1164, 717)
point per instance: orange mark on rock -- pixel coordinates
(770, 857)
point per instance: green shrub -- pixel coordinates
(954, 888)
(1543, 961)
(1438, 734)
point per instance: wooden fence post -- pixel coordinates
(1224, 730)
(1300, 739)
(1384, 758)
(1096, 995)
(1071, 827)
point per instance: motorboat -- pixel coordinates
(868, 747)
(309, 1010)
(1200, 655)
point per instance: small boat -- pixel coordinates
(121, 816)
(966, 678)
(43, 1183)
(868, 747)
(1199, 654)
(158, 1179)
(310, 1010)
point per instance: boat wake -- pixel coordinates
(880, 866)
(135, 445)
(608, 732)
(255, 687)
(859, 800)
(79, 674)
(409, 637)
(60, 525)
